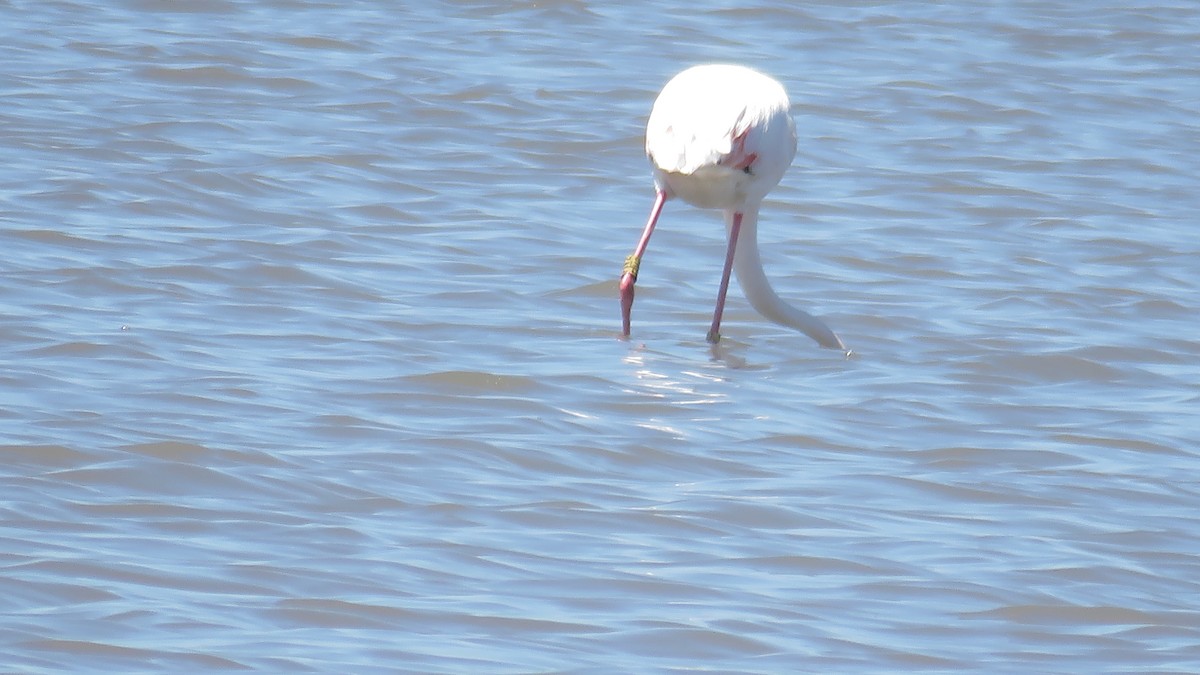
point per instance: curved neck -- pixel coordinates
(747, 265)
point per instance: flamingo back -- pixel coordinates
(720, 136)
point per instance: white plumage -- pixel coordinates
(698, 123)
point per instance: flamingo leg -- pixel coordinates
(629, 275)
(714, 335)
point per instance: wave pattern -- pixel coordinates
(311, 355)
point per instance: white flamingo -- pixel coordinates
(721, 137)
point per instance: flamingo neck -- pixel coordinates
(747, 265)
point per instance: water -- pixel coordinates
(311, 359)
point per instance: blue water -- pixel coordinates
(311, 353)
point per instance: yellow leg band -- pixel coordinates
(632, 263)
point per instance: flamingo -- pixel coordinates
(721, 137)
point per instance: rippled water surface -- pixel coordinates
(311, 354)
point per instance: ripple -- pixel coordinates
(313, 356)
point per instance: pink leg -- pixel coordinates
(629, 276)
(714, 335)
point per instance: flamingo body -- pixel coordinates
(706, 123)
(721, 137)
